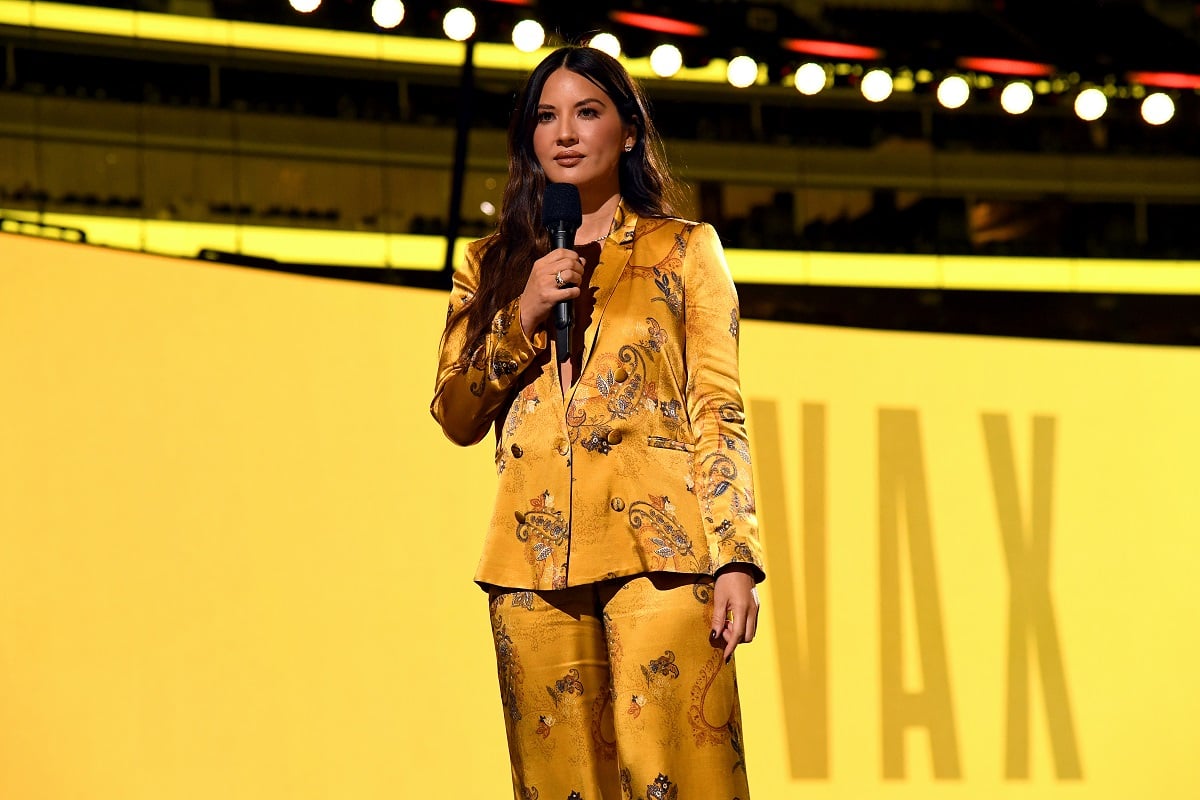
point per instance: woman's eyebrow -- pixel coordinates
(584, 102)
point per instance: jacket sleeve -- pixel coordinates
(472, 389)
(724, 480)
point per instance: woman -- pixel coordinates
(622, 555)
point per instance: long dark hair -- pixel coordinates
(646, 183)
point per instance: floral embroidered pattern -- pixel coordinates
(656, 336)
(597, 441)
(706, 731)
(605, 748)
(734, 325)
(545, 723)
(508, 668)
(663, 665)
(719, 474)
(662, 789)
(664, 536)
(671, 286)
(569, 683)
(544, 531)
(619, 386)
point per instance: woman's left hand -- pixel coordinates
(735, 608)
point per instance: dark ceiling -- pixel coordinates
(1099, 39)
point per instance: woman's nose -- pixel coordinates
(566, 133)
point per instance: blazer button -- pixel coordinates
(517, 451)
(614, 437)
(621, 375)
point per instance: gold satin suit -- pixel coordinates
(618, 501)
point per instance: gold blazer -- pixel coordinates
(644, 465)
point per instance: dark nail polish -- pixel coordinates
(727, 658)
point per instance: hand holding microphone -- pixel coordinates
(554, 278)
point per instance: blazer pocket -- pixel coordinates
(668, 444)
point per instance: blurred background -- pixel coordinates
(1006, 128)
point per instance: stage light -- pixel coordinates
(305, 6)
(1158, 109)
(742, 71)
(877, 86)
(528, 35)
(817, 47)
(666, 60)
(954, 91)
(1090, 105)
(1166, 80)
(653, 22)
(387, 13)
(1007, 66)
(810, 78)
(488, 209)
(606, 43)
(459, 24)
(1017, 97)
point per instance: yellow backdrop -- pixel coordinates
(235, 552)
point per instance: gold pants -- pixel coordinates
(614, 691)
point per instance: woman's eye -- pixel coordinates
(587, 112)
(544, 116)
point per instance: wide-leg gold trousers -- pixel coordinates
(614, 691)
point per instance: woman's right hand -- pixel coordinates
(541, 290)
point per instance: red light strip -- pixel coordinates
(1166, 80)
(1007, 66)
(650, 22)
(514, 2)
(815, 47)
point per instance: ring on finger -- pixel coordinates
(558, 280)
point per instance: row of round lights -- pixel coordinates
(458, 23)
(811, 78)
(1016, 97)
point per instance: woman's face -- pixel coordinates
(579, 136)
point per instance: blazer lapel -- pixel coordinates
(614, 257)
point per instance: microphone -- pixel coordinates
(562, 214)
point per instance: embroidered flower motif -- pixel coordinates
(503, 364)
(597, 442)
(662, 789)
(733, 322)
(662, 503)
(569, 683)
(665, 665)
(656, 335)
(543, 502)
(671, 286)
(545, 723)
(636, 703)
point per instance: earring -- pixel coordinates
(628, 147)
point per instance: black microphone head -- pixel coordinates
(561, 206)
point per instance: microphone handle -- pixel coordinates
(562, 237)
